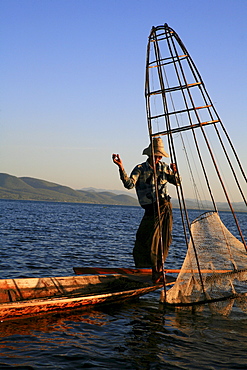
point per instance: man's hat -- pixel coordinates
(158, 148)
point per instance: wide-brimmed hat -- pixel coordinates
(158, 148)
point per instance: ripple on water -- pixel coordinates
(48, 239)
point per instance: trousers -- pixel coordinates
(153, 241)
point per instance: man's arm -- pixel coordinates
(118, 161)
(128, 182)
(172, 175)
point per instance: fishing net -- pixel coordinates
(214, 270)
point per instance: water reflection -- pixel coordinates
(48, 239)
(134, 335)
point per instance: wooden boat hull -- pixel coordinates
(139, 271)
(33, 296)
(112, 270)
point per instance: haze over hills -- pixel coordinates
(191, 203)
(28, 188)
(118, 192)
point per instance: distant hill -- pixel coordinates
(222, 206)
(124, 191)
(28, 188)
(190, 203)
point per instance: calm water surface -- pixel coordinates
(48, 239)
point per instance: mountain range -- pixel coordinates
(29, 188)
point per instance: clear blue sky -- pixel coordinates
(72, 81)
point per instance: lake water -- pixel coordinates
(48, 239)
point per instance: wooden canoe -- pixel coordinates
(112, 270)
(141, 271)
(32, 296)
(124, 271)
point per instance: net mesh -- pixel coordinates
(214, 270)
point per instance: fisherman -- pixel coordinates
(147, 249)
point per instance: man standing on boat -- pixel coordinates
(148, 244)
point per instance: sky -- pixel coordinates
(72, 81)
